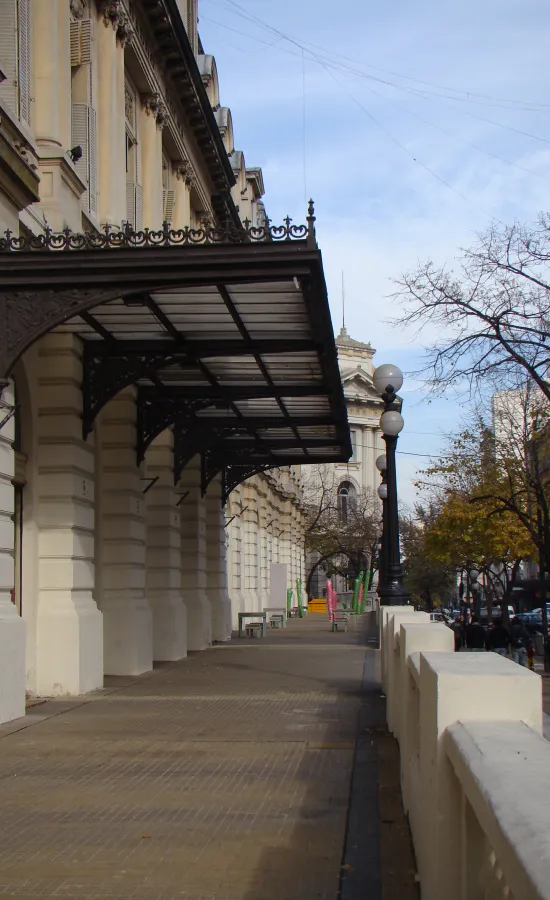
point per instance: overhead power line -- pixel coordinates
(331, 57)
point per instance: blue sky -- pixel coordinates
(371, 135)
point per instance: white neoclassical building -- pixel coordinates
(167, 361)
(358, 477)
(364, 407)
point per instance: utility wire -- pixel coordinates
(424, 95)
(408, 152)
(304, 142)
(411, 113)
(468, 96)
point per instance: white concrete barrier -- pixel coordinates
(473, 763)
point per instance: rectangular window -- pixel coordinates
(353, 434)
(134, 204)
(168, 193)
(15, 57)
(84, 135)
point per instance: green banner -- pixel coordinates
(299, 596)
(289, 594)
(356, 589)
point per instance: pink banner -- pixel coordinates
(331, 599)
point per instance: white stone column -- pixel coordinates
(182, 197)
(216, 563)
(263, 563)
(110, 126)
(163, 575)
(128, 633)
(69, 628)
(250, 533)
(51, 110)
(12, 626)
(193, 559)
(151, 163)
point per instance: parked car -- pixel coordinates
(437, 617)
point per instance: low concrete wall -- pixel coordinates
(473, 762)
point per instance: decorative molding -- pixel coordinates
(78, 8)
(112, 11)
(184, 171)
(152, 103)
(130, 107)
(124, 32)
(162, 116)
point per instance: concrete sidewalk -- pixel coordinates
(224, 776)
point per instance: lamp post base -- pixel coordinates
(393, 593)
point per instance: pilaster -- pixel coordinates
(110, 111)
(128, 634)
(51, 110)
(216, 563)
(12, 627)
(69, 628)
(250, 534)
(152, 119)
(183, 180)
(193, 558)
(163, 561)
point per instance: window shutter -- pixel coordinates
(169, 199)
(75, 42)
(84, 134)
(81, 42)
(131, 203)
(79, 138)
(24, 61)
(8, 53)
(139, 208)
(92, 158)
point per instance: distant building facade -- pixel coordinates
(359, 477)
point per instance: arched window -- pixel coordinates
(347, 499)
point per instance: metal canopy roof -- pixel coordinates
(228, 338)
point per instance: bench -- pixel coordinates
(277, 621)
(255, 616)
(254, 629)
(339, 620)
(277, 611)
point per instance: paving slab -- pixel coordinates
(223, 777)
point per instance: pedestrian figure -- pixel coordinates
(519, 641)
(498, 639)
(458, 633)
(474, 636)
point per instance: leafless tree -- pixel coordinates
(493, 317)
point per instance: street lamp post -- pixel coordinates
(387, 381)
(381, 465)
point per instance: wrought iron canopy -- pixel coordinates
(226, 333)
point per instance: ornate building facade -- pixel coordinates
(358, 478)
(111, 125)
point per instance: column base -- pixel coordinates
(221, 615)
(69, 644)
(12, 663)
(169, 616)
(199, 619)
(128, 635)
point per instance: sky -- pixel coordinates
(413, 126)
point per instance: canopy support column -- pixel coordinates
(193, 558)
(163, 580)
(126, 612)
(12, 626)
(69, 628)
(216, 563)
